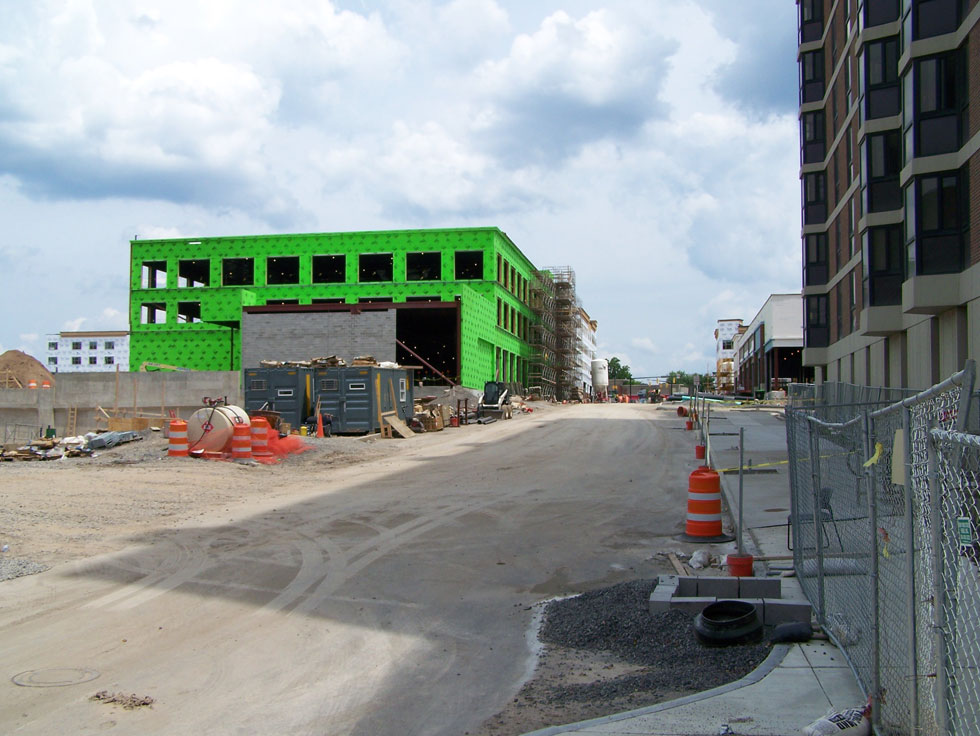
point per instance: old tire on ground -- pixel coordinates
(724, 623)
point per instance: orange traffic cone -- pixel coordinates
(319, 425)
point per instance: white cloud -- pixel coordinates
(645, 344)
(73, 325)
(29, 337)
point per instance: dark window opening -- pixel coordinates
(883, 266)
(188, 312)
(77, 360)
(941, 223)
(817, 324)
(469, 265)
(109, 360)
(110, 345)
(93, 345)
(431, 333)
(811, 76)
(76, 345)
(154, 275)
(815, 267)
(194, 273)
(811, 20)
(237, 272)
(884, 96)
(375, 300)
(281, 302)
(422, 299)
(936, 17)
(941, 103)
(151, 313)
(884, 161)
(879, 12)
(282, 270)
(814, 198)
(423, 266)
(92, 360)
(335, 300)
(814, 137)
(373, 267)
(329, 269)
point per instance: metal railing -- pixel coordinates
(885, 504)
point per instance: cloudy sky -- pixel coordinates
(651, 145)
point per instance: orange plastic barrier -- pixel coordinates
(704, 503)
(178, 438)
(241, 442)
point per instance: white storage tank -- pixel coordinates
(211, 428)
(600, 375)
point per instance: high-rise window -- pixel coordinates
(940, 223)
(883, 96)
(883, 266)
(811, 20)
(814, 198)
(815, 268)
(884, 161)
(237, 271)
(811, 76)
(936, 17)
(878, 12)
(940, 103)
(817, 333)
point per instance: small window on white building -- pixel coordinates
(92, 360)
(109, 360)
(110, 345)
(52, 361)
(77, 360)
(76, 345)
(52, 346)
(93, 345)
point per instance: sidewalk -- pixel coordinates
(797, 683)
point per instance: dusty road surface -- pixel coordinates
(392, 596)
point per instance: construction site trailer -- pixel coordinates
(355, 397)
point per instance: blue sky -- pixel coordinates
(651, 145)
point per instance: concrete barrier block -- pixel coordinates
(759, 588)
(718, 587)
(778, 611)
(667, 582)
(687, 586)
(659, 602)
(693, 605)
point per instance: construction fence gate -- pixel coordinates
(885, 495)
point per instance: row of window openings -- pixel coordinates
(511, 279)
(326, 269)
(922, 18)
(933, 240)
(92, 345)
(510, 319)
(92, 360)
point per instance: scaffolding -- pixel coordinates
(541, 372)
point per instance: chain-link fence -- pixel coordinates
(885, 502)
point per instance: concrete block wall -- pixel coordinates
(181, 392)
(305, 335)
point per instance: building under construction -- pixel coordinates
(557, 352)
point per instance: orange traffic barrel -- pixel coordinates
(260, 437)
(689, 425)
(704, 504)
(682, 411)
(31, 383)
(241, 442)
(45, 383)
(699, 452)
(178, 438)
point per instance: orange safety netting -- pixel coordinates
(281, 447)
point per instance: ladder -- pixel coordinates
(72, 424)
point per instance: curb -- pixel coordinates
(771, 662)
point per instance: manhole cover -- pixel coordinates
(57, 677)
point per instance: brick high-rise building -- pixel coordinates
(890, 173)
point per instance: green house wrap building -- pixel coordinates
(457, 302)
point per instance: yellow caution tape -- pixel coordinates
(873, 460)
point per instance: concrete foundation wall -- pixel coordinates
(301, 336)
(148, 393)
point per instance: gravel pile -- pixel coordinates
(617, 620)
(15, 567)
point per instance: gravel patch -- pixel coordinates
(15, 567)
(605, 653)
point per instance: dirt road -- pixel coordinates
(387, 597)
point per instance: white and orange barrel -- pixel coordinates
(241, 442)
(45, 383)
(704, 503)
(260, 437)
(178, 438)
(31, 383)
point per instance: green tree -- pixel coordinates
(618, 370)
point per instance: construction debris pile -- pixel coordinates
(53, 448)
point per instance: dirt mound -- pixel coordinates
(20, 365)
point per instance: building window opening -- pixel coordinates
(422, 299)
(93, 345)
(281, 302)
(110, 345)
(332, 300)
(151, 313)
(76, 345)
(194, 273)
(432, 334)
(188, 312)
(93, 360)
(423, 266)
(52, 346)
(469, 265)
(154, 275)
(375, 300)
(237, 272)
(282, 270)
(940, 224)
(884, 162)
(329, 269)
(817, 323)
(76, 360)
(52, 361)
(374, 267)
(109, 360)
(940, 103)
(879, 12)
(884, 96)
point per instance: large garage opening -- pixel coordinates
(432, 334)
